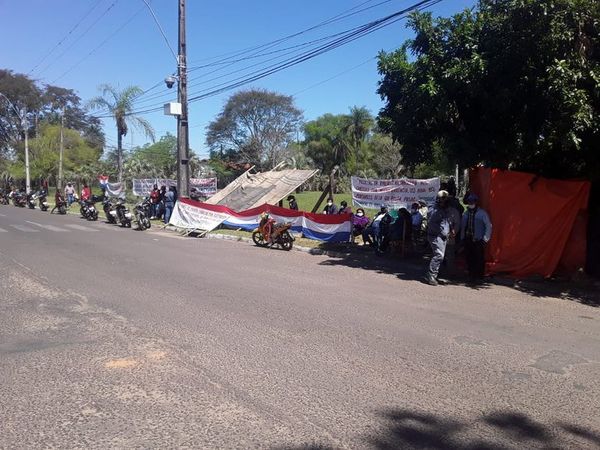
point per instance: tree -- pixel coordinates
(340, 140)
(19, 94)
(157, 160)
(513, 84)
(119, 104)
(256, 124)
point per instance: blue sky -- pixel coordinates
(118, 42)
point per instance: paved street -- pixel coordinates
(114, 338)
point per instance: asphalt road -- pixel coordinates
(113, 338)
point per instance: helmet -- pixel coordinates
(442, 194)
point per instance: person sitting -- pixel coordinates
(359, 223)
(344, 208)
(58, 201)
(372, 232)
(330, 208)
(292, 204)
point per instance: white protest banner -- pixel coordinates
(189, 216)
(205, 186)
(396, 193)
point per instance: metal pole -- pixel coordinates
(25, 125)
(60, 157)
(183, 177)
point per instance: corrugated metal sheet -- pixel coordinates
(254, 189)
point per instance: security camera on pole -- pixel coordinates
(180, 109)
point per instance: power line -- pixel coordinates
(64, 52)
(66, 36)
(227, 62)
(113, 34)
(350, 36)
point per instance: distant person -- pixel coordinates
(476, 232)
(371, 232)
(292, 204)
(70, 193)
(58, 201)
(86, 193)
(344, 208)
(169, 204)
(155, 201)
(330, 208)
(359, 222)
(442, 224)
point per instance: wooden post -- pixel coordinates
(329, 189)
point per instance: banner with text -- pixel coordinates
(206, 187)
(190, 214)
(396, 193)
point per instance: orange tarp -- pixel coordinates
(539, 224)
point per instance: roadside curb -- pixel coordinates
(312, 251)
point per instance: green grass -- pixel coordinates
(306, 201)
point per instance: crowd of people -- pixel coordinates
(446, 229)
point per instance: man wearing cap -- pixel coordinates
(443, 224)
(476, 231)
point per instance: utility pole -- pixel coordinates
(60, 156)
(25, 126)
(183, 171)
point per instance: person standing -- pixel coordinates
(442, 225)
(70, 194)
(169, 204)
(476, 231)
(155, 200)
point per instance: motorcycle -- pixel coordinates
(61, 205)
(123, 215)
(270, 233)
(31, 200)
(19, 199)
(88, 210)
(142, 214)
(40, 196)
(109, 211)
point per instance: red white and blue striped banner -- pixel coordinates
(322, 227)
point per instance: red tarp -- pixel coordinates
(539, 224)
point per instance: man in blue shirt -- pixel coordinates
(476, 231)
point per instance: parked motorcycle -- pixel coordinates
(4, 200)
(123, 215)
(18, 198)
(61, 205)
(30, 200)
(109, 210)
(270, 233)
(142, 214)
(41, 197)
(88, 210)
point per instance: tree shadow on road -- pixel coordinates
(407, 429)
(413, 268)
(497, 430)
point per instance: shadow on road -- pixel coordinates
(406, 429)
(413, 268)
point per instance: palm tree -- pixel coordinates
(120, 106)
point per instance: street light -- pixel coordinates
(24, 125)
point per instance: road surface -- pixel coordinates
(113, 338)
